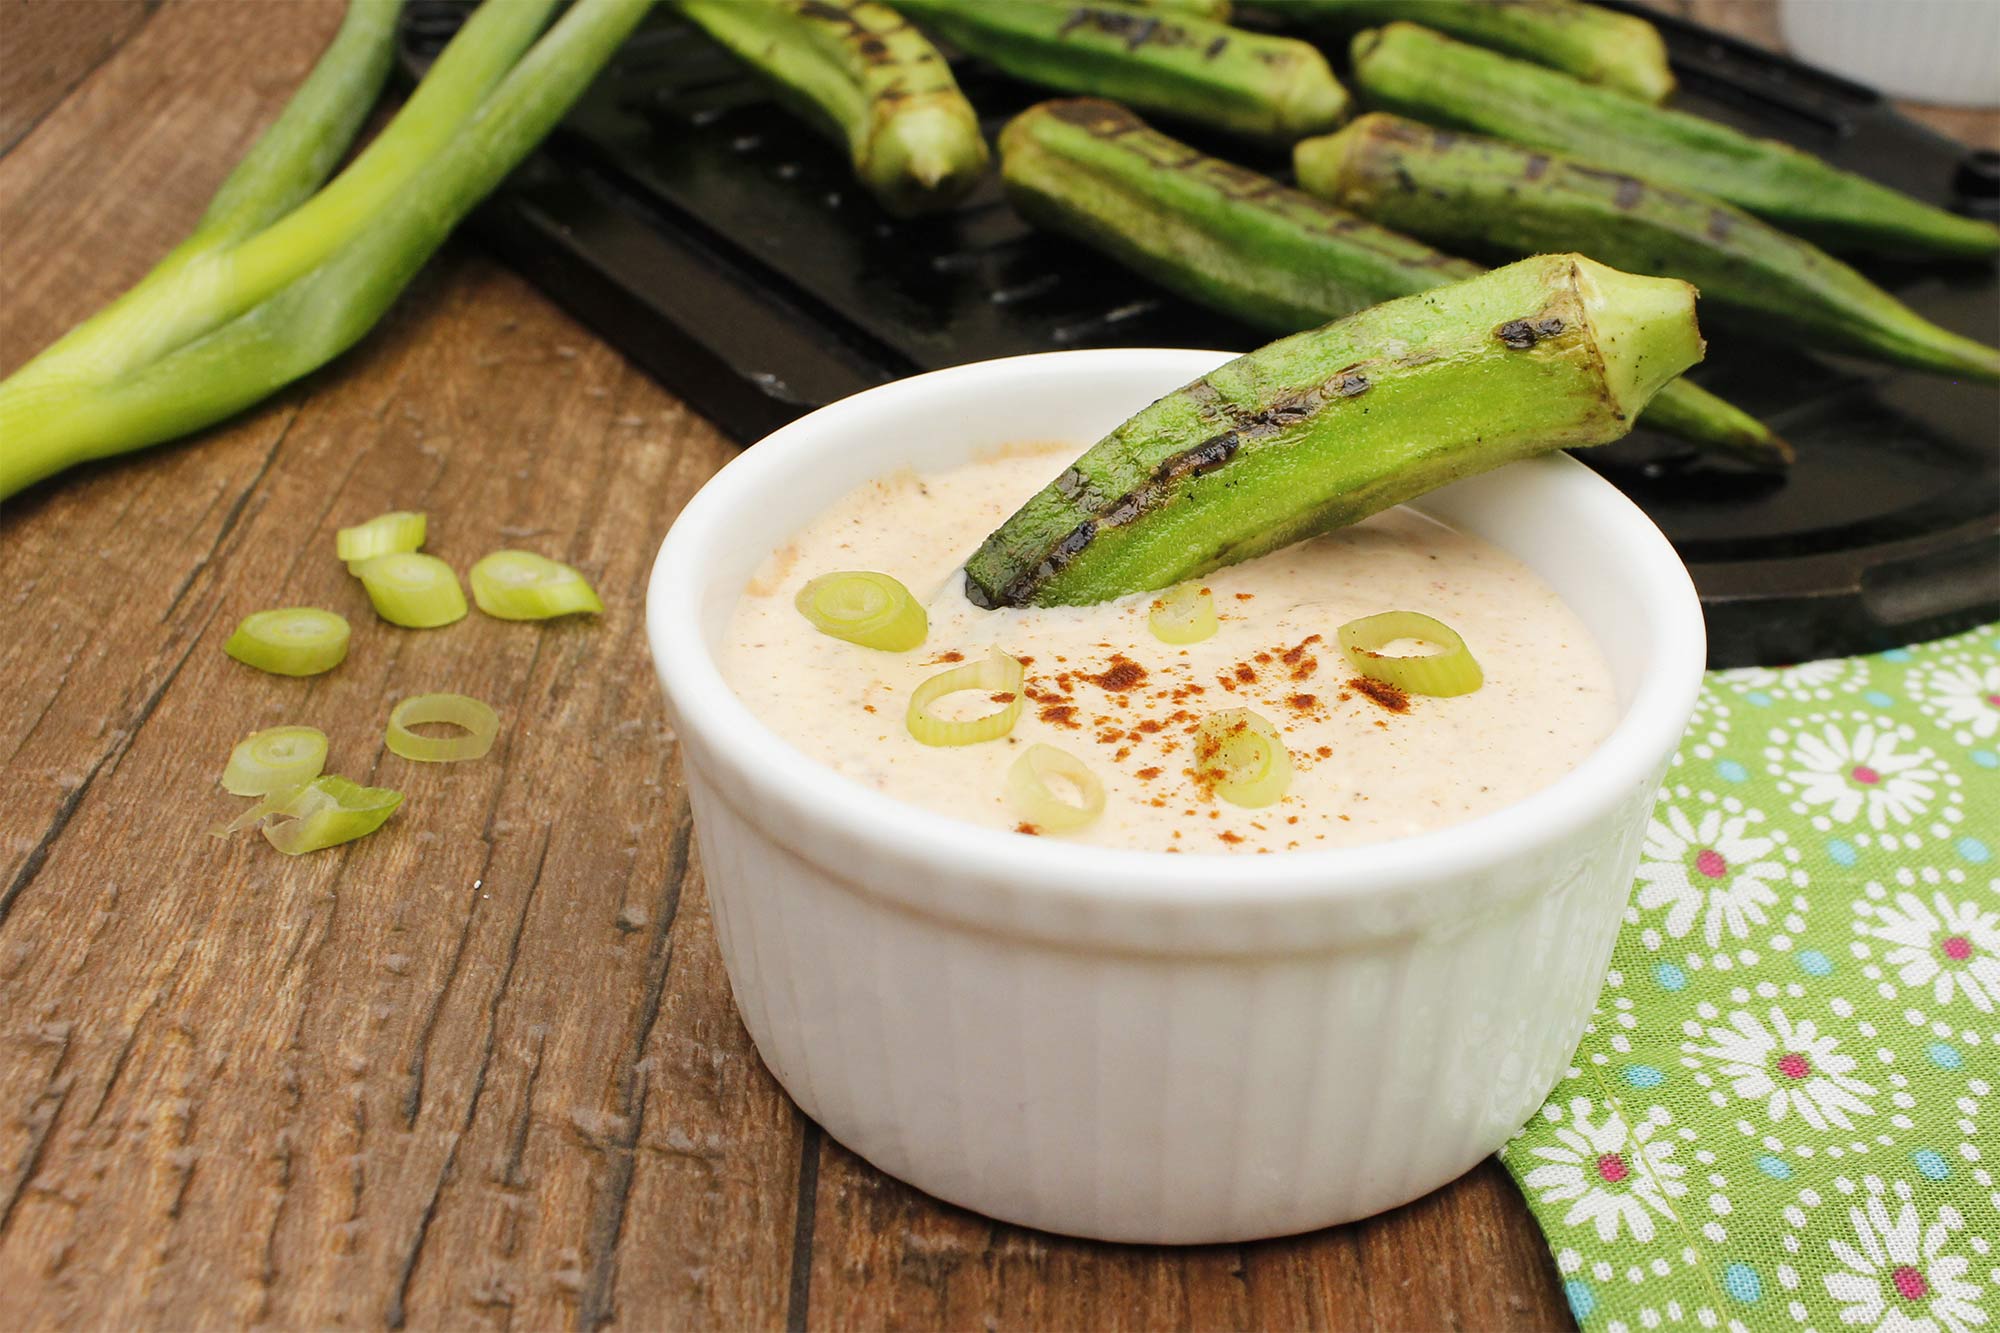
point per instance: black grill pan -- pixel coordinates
(722, 245)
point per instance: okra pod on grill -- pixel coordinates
(1597, 45)
(1241, 243)
(1329, 426)
(1417, 72)
(859, 70)
(1470, 192)
(1247, 83)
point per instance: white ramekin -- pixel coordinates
(1132, 1045)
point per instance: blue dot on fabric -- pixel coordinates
(1843, 852)
(1731, 771)
(1670, 977)
(1758, 697)
(1879, 699)
(1814, 963)
(1973, 850)
(1777, 1168)
(1931, 1162)
(1644, 1076)
(1943, 1056)
(1581, 1300)
(1986, 758)
(1896, 655)
(1740, 1281)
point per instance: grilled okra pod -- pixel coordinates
(1470, 192)
(1329, 426)
(859, 70)
(1259, 86)
(1417, 72)
(1597, 45)
(1241, 243)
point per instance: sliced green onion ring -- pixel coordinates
(274, 759)
(998, 674)
(1028, 788)
(520, 585)
(1443, 674)
(863, 607)
(480, 723)
(412, 590)
(328, 811)
(290, 641)
(384, 534)
(1185, 613)
(1242, 758)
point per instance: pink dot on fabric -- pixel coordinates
(1611, 1168)
(1957, 948)
(1909, 1283)
(1711, 863)
(1794, 1065)
(1865, 774)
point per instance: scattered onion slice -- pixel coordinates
(1185, 613)
(480, 723)
(864, 607)
(998, 674)
(521, 585)
(412, 590)
(1028, 788)
(1443, 674)
(327, 811)
(274, 759)
(384, 534)
(290, 641)
(1242, 758)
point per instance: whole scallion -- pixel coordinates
(269, 288)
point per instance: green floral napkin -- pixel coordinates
(1782, 1115)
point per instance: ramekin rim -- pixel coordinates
(809, 792)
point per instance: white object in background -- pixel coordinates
(1132, 1045)
(1944, 51)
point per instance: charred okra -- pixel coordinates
(1327, 427)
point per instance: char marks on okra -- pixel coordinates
(1471, 192)
(1248, 83)
(1327, 427)
(1421, 74)
(1595, 44)
(1241, 243)
(858, 69)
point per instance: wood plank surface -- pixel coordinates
(481, 1070)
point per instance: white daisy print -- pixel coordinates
(1713, 869)
(1961, 695)
(1611, 1176)
(1857, 772)
(1897, 1277)
(1951, 947)
(1807, 680)
(1789, 1066)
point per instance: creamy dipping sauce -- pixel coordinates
(1099, 685)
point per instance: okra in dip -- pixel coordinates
(1143, 723)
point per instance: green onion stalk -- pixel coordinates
(277, 280)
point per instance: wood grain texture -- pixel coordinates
(47, 49)
(481, 1070)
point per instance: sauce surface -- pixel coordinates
(1368, 766)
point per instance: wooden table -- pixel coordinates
(483, 1069)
